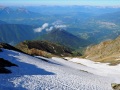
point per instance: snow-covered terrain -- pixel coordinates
(102, 69)
(38, 73)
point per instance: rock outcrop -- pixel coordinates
(44, 48)
(106, 52)
(115, 86)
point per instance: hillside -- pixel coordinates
(97, 30)
(44, 48)
(111, 17)
(107, 52)
(41, 73)
(62, 37)
(15, 33)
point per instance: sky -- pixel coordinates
(61, 2)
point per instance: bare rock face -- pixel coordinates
(115, 86)
(105, 52)
(7, 46)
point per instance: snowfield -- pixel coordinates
(38, 73)
(102, 69)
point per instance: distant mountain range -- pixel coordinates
(65, 9)
(19, 16)
(9, 13)
(106, 52)
(84, 24)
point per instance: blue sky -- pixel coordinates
(61, 2)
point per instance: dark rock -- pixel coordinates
(7, 46)
(3, 64)
(4, 71)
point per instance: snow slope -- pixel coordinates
(102, 69)
(55, 74)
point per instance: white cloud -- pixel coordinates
(38, 29)
(45, 25)
(50, 29)
(55, 25)
(60, 26)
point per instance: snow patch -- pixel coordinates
(102, 69)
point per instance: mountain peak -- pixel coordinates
(23, 10)
(65, 38)
(2, 7)
(7, 10)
